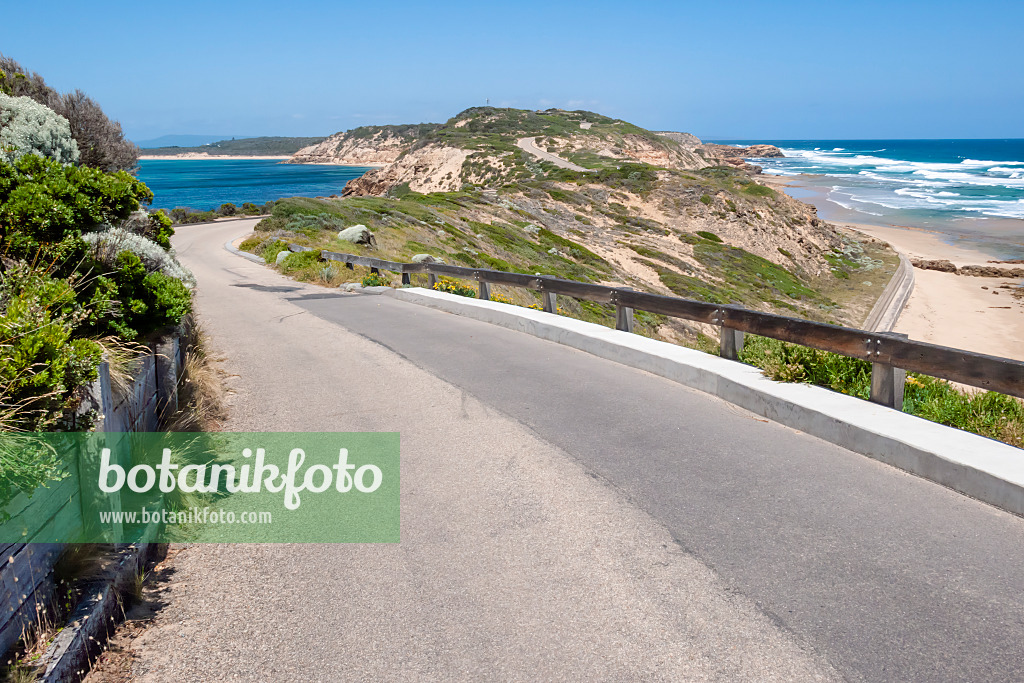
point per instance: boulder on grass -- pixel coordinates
(281, 256)
(426, 258)
(357, 234)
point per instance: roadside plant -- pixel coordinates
(454, 287)
(106, 247)
(376, 280)
(41, 360)
(27, 127)
(987, 413)
(43, 202)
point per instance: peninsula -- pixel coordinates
(583, 196)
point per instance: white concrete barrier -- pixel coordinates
(988, 470)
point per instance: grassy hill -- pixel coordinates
(263, 146)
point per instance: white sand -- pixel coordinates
(971, 313)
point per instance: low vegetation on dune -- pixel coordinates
(623, 226)
(260, 146)
(652, 212)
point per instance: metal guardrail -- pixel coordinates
(891, 355)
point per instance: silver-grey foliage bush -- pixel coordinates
(27, 127)
(106, 246)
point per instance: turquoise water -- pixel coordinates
(953, 178)
(968, 189)
(206, 184)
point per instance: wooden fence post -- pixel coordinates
(623, 316)
(730, 343)
(550, 302)
(888, 382)
(166, 354)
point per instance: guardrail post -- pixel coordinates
(431, 280)
(623, 316)
(731, 343)
(375, 271)
(550, 300)
(485, 290)
(888, 383)
(406, 280)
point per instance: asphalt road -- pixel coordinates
(567, 517)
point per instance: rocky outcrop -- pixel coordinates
(991, 271)
(752, 152)
(930, 264)
(369, 146)
(634, 147)
(432, 168)
(970, 270)
(686, 140)
(724, 155)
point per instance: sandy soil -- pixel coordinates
(973, 313)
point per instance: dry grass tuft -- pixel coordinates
(201, 406)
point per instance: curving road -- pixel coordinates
(564, 517)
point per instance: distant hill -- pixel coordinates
(582, 196)
(261, 146)
(186, 140)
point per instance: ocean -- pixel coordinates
(206, 183)
(971, 189)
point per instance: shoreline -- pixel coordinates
(978, 314)
(197, 156)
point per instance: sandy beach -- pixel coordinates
(978, 314)
(974, 313)
(197, 156)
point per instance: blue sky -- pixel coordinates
(745, 70)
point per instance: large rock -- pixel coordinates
(991, 271)
(426, 258)
(941, 265)
(281, 256)
(357, 234)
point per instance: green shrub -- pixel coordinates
(706, 199)
(756, 190)
(709, 236)
(986, 413)
(299, 260)
(270, 251)
(42, 363)
(148, 300)
(43, 202)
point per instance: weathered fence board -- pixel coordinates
(26, 572)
